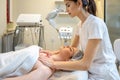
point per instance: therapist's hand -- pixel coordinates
(47, 61)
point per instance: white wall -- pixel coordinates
(2, 19)
(43, 7)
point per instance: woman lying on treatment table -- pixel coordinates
(40, 71)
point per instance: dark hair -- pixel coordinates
(88, 5)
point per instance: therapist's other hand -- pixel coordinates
(47, 61)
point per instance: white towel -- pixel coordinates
(19, 62)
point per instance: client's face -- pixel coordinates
(70, 50)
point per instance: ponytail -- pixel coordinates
(90, 6)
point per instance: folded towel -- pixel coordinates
(19, 62)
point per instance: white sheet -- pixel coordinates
(74, 75)
(19, 62)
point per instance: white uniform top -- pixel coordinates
(103, 65)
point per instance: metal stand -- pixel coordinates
(7, 42)
(19, 36)
(41, 38)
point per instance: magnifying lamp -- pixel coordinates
(65, 33)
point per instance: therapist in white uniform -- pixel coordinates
(92, 35)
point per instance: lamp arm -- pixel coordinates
(53, 23)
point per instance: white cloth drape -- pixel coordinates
(19, 62)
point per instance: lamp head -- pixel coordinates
(53, 13)
(50, 17)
